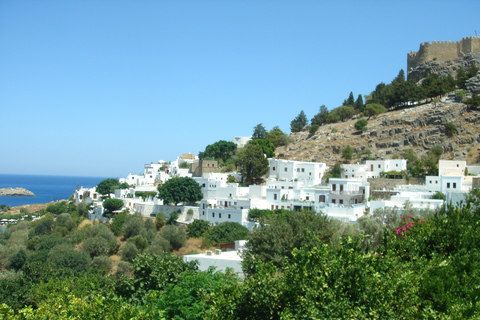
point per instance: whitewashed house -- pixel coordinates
(373, 168)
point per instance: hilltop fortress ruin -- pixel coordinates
(442, 51)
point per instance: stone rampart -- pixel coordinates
(442, 51)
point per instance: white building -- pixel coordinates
(309, 173)
(373, 168)
(219, 259)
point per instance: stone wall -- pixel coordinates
(442, 51)
(382, 189)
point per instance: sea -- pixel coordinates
(45, 188)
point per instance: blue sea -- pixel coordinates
(45, 188)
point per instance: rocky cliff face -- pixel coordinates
(419, 128)
(15, 192)
(444, 68)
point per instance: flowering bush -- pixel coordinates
(407, 223)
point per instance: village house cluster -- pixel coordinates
(291, 185)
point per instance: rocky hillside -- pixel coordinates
(420, 128)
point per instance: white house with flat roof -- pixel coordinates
(373, 168)
(309, 173)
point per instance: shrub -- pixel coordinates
(175, 235)
(361, 125)
(313, 129)
(129, 252)
(197, 228)
(102, 263)
(226, 232)
(450, 129)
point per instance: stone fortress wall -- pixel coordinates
(442, 51)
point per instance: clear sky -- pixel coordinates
(99, 88)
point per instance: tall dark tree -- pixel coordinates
(321, 117)
(268, 148)
(400, 77)
(359, 105)
(252, 162)
(259, 132)
(299, 122)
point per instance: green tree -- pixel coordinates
(252, 162)
(450, 129)
(361, 125)
(107, 186)
(347, 153)
(280, 234)
(118, 222)
(225, 232)
(277, 137)
(313, 129)
(175, 235)
(113, 204)
(259, 132)
(473, 102)
(220, 150)
(439, 195)
(359, 105)
(180, 189)
(321, 118)
(299, 122)
(268, 148)
(197, 228)
(373, 109)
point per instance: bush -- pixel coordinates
(313, 129)
(225, 232)
(102, 263)
(450, 129)
(133, 226)
(197, 228)
(139, 241)
(176, 236)
(361, 125)
(124, 268)
(129, 252)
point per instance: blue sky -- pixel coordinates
(99, 88)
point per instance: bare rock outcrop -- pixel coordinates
(16, 192)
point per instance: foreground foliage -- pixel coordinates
(300, 266)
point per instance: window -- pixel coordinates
(334, 187)
(229, 216)
(454, 185)
(378, 166)
(273, 168)
(274, 196)
(285, 169)
(303, 169)
(340, 201)
(333, 201)
(298, 169)
(220, 216)
(436, 182)
(448, 184)
(307, 198)
(213, 214)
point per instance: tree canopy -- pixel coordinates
(252, 162)
(109, 185)
(220, 150)
(299, 122)
(259, 132)
(180, 189)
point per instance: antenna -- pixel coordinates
(475, 33)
